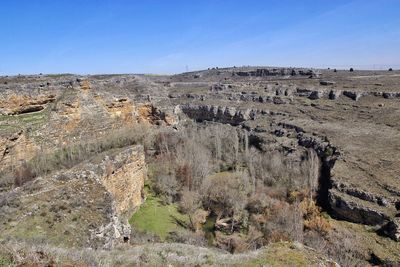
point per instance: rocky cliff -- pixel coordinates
(88, 205)
(123, 176)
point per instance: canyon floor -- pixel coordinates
(85, 162)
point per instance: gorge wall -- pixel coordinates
(341, 200)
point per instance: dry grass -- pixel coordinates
(24, 254)
(312, 217)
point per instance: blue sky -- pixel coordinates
(160, 36)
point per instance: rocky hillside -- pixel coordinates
(79, 155)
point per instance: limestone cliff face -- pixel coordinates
(230, 115)
(124, 176)
(15, 148)
(20, 104)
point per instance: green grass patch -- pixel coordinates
(33, 120)
(156, 218)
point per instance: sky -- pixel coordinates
(160, 36)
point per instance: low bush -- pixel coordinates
(23, 174)
(225, 194)
(318, 224)
(166, 187)
(313, 220)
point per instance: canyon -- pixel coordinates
(74, 151)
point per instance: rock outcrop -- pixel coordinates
(316, 95)
(392, 229)
(124, 176)
(266, 72)
(334, 94)
(280, 95)
(347, 208)
(21, 104)
(230, 115)
(88, 205)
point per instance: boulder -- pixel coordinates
(316, 95)
(334, 94)
(391, 95)
(278, 100)
(392, 229)
(353, 95)
(326, 83)
(397, 205)
(220, 87)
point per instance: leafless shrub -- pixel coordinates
(284, 221)
(316, 241)
(166, 141)
(23, 174)
(197, 159)
(190, 203)
(167, 187)
(226, 195)
(258, 203)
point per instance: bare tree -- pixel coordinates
(313, 175)
(190, 204)
(236, 148)
(197, 158)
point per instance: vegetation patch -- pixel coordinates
(23, 121)
(284, 254)
(157, 218)
(6, 259)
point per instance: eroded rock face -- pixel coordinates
(355, 192)
(21, 104)
(222, 114)
(123, 177)
(266, 72)
(281, 95)
(345, 208)
(16, 148)
(86, 206)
